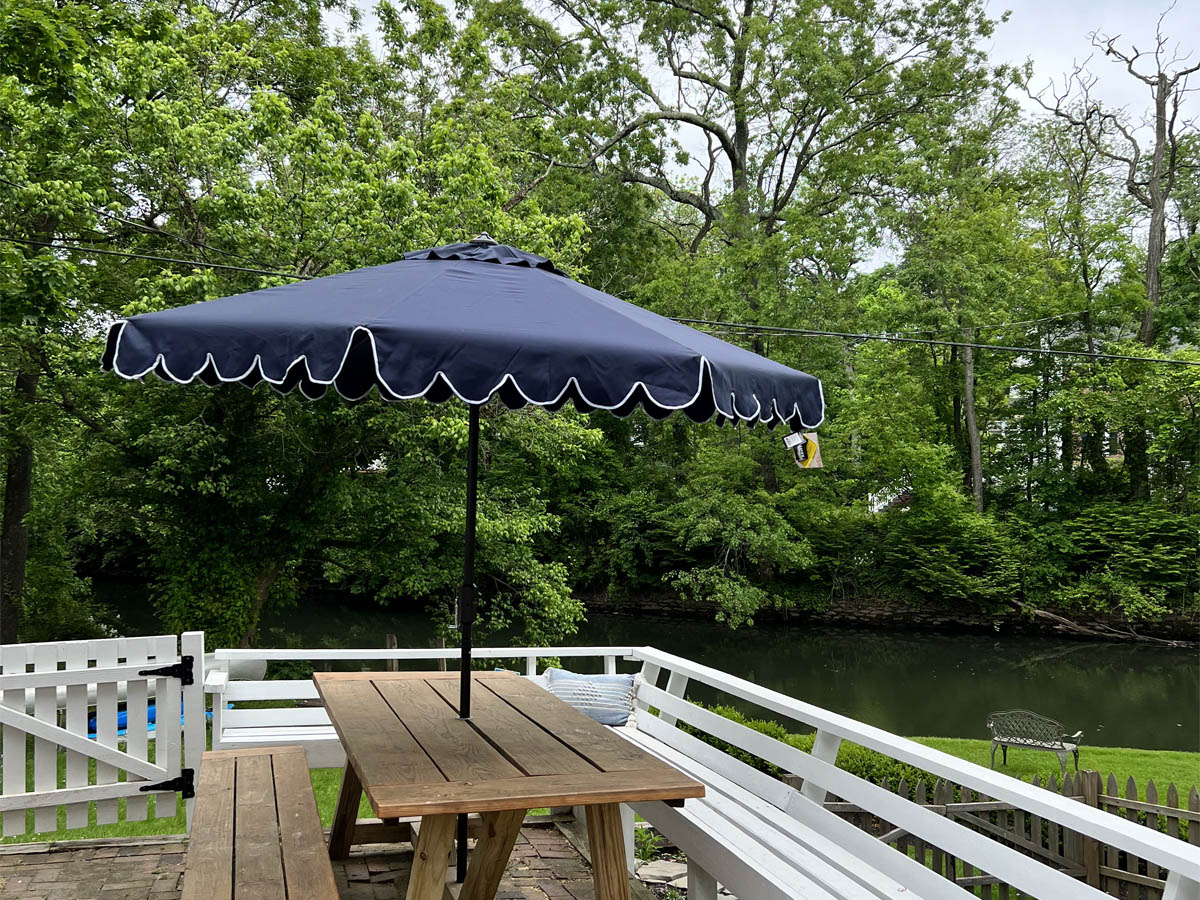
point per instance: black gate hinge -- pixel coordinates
(185, 784)
(181, 670)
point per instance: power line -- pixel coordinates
(779, 331)
(75, 248)
(742, 328)
(995, 325)
(152, 229)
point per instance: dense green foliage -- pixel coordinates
(858, 170)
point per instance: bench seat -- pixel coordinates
(1023, 728)
(761, 838)
(256, 831)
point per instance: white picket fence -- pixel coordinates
(48, 690)
(61, 744)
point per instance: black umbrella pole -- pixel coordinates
(467, 609)
(467, 601)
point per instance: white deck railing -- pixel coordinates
(1181, 861)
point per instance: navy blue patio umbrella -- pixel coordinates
(474, 320)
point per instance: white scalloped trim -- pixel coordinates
(256, 364)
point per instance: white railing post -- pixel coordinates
(676, 687)
(531, 666)
(650, 673)
(700, 885)
(610, 665)
(191, 643)
(1180, 888)
(825, 748)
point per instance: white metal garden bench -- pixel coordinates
(1023, 728)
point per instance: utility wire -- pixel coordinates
(779, 331)
(993, 325)
(75, 248)
(152, 229)
(741, 328)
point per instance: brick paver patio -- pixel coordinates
(543, 866)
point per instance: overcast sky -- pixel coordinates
(1054, 34)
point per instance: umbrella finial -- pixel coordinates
(484, 240)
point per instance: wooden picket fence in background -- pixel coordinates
(1112, 870)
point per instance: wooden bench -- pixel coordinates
(1022, 728)
(256, 831)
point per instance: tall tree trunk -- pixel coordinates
(263, 582)
(1157, 243)
(14, 532)
(1066, 442)
(971, 421)
(1137, 461)
(1093, 449)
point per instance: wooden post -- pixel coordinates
(1091, 847)
(390, 643)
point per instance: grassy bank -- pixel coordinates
(1163, 766)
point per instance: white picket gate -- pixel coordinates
(59, 705)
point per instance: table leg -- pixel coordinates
(606, 841)
(341, 835)
(496, 838)
(431, 858)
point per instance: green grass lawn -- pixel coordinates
(1164, 766)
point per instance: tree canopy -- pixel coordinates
(852, 167)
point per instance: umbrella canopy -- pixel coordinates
(475, 320)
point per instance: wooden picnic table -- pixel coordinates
(522, 749)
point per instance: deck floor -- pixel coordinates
(543, 866)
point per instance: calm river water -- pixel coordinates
(941, 685)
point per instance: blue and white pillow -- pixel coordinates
(606, 698)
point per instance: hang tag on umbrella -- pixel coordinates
(805, 449)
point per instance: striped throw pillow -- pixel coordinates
(606, 698)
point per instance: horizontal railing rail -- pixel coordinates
(1165, 851)
(531, 655)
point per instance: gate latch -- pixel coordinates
(181, 670)
(185, 784)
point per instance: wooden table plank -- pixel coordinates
(305, 859)
(535, 791)
(257, 865)
(377, 744)
(452, 743)
(609, 752)
(210, 848)
(523, 741)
